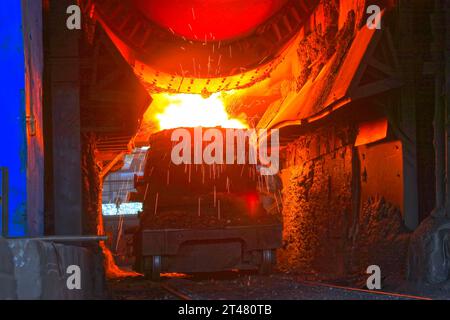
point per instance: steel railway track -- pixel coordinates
(181, 294)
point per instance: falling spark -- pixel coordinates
(263, 59)
(228, 185)
(182, 71)
(181, 83)
(193, 13)
(209, 64)
(195, 69)
(145, 194)
(203, 175)
(218, 209)
(278, 206)
(145, 161)
(219, 60)
(156, 203)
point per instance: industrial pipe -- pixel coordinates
(66, 238)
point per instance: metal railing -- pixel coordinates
(4, 200)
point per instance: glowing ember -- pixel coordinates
(192, 110)
(111, 268)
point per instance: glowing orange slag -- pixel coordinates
(111, 269)
(192, 110)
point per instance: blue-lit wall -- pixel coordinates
(13, 144)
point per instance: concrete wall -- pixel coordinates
(33, 270)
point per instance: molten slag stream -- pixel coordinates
(111, 268)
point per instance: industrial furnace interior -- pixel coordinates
(311, 71)
(246, 144)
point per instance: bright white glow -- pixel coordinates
(192, 110)
(110, 209)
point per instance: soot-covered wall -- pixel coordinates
(335, 223)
